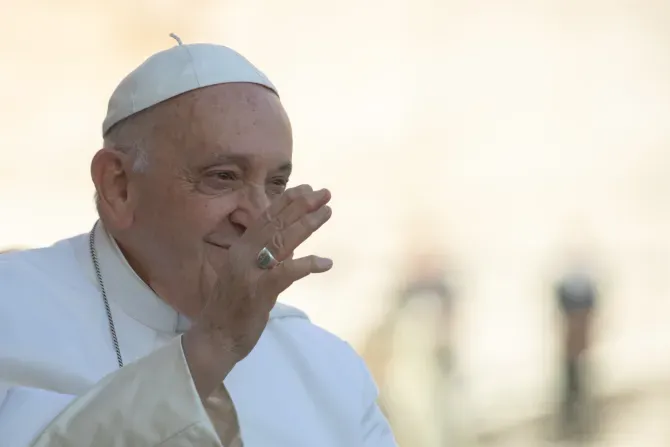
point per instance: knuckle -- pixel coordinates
(304, 201)
(298, 191)
(278, 223)
(290, 271)
(292, 193)
(278, 241)
(267, 215)
(304, 189)
(310, 222)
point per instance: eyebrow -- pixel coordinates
(244, 162)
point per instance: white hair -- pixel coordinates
(134, 136)
(136, 149)
(138, 153)
(127, 137)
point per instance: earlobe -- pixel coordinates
(111, 183)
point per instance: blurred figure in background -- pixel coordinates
(576, 293)
(411, 356)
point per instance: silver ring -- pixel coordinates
(266, 259)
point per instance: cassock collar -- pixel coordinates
(134, 296)
(129, 291)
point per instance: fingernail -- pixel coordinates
(324, 263)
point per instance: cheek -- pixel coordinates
(212, 209)
(183, 217)
(178, 203)
(202, 216)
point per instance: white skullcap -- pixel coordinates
(178, 70)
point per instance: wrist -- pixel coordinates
(210, 358)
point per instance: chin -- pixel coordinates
(214, 254)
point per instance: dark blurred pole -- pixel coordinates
(576, 294)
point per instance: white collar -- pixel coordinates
(125, 288)
(133, 295)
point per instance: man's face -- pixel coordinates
(219, 156)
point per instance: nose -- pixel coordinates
(252, 202)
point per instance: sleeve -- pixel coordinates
(152, 402)
(375, 427)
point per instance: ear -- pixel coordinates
(109, 172)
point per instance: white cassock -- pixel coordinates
(60, 384)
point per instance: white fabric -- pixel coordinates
(300, 386)
(178, 70)
(183, 420)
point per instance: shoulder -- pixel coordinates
(38, 288)
(52, 259)
(323, 350)
(296, 324)
(23, 274)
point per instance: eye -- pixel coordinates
(225, 175)
(277, 185)
(216, 181)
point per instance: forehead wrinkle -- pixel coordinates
(218, 113)
(204, 107)
(177, 125)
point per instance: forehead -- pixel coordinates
(244, 120)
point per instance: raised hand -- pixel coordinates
(248, 285)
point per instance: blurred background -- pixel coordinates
(500, 180)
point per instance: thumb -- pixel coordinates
(293, 270)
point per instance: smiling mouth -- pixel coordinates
(216, 244)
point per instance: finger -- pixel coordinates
(283, 243)
(299, 206)
(302, 205)
(293, 270)
(269, 216)
(285, 200)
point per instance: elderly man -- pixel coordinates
(160, 327)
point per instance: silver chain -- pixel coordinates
(98, 274)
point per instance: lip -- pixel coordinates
(219, 245)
